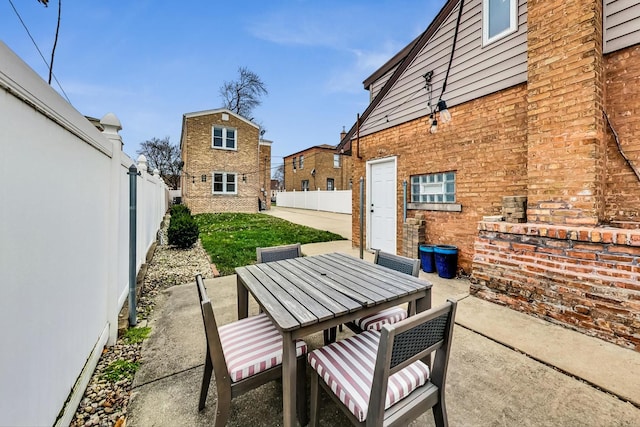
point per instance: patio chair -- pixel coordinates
(382, 378)
(277, 253)
(235, 372)
(391, 315)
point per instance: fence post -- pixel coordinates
(111, 126)
(142, 207)
(133, 199)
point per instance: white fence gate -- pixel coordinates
(329, 201)
(64, 226)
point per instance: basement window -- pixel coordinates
(499, 19)
(436, 191)
(225, 183)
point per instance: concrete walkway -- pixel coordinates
(506, 368)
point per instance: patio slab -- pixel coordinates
(506, 368)
(488, 384)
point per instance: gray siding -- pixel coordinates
(621, 24)
(476, 70)
(378, 84)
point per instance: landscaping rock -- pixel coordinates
(105, 402)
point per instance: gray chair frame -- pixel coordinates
(227, 389)
(401, 344)
(278, 253)
(395, 262)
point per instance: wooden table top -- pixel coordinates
(304, 291)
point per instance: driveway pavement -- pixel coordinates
(506, 368)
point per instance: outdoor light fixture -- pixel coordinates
(445, 115)
(244, 178)
(440, 107)
(434, 125)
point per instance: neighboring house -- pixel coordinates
(226, 164)
(275, 187)
(528, 88)
(317, 168)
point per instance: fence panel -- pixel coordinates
(328, 201)
(63, 245)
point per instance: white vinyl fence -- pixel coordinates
(64, 245)
(329, 201)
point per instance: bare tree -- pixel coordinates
(44, 2)
(165, 157)
(278, 175)
(243, 95)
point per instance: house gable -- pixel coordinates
(476, 70)
(221, 179)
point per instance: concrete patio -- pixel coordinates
(506, 368)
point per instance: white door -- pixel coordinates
(381, 203)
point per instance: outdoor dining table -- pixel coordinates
(310, 294)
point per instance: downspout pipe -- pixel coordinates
(404, 201)
(361, 215)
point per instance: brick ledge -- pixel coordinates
(618, 236)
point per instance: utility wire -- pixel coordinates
(39, 51)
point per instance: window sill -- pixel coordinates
(446, 207)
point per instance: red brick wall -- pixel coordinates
(485, 144)
(565, 124)
(622, 191)
(587, 278)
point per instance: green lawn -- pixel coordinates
(231, 239)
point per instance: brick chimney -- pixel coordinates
(565, 124)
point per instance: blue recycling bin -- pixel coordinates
(446, 257)
(426, 258)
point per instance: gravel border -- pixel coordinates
(104, 403)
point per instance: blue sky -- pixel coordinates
(151, 61)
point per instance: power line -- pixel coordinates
(39, 51)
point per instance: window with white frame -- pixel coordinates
(305, 185)
(499, 18)
(434, 188)
(301, 162)
(225, 183)
(336, 160)
(225, 138)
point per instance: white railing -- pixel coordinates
(64, 244)
(329, 201)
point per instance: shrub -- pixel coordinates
(183, 231)
(178, 210)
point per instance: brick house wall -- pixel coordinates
(489, 161)
(576, 261)
(201, 160)
(562, 265)
(622, 95)
(265, 173)
(319, 158)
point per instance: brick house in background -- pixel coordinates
(317, 168)
(528, 90)
(227, 167)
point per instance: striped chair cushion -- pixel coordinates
(253, 345)
(347, 367)
(384, 317)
